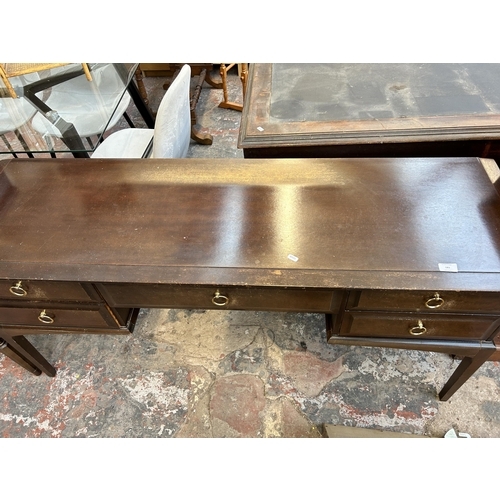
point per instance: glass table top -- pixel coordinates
(59, 110)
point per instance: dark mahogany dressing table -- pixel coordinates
(400, 253)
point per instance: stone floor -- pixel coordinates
(235, 373)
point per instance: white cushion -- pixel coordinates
(126, 143)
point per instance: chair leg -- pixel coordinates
(129, 121)
(140, 86)
(23, 143)
(140, 104)
(198, 133)
(226, 104)
(244, 78)
(9, 147)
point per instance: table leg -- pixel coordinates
(11, 353)
(23, 348)
(465, 369)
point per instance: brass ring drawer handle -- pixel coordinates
(434, 302)
(219, 300)
(46, 318)
(18, 289)
(419, 329)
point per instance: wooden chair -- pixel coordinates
(243, 67)
(11, 70)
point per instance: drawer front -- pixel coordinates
(193, 297)
(46, 290)
(56, 317)
(363, 324)
(425, 301)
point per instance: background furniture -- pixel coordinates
(203, 72)
(243, 76)
(371, 110)
(91, 107)
(11, 70)
(15, 113)
(414, 265)
(53, 126)
(171, 135)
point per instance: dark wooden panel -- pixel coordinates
(365, 324)
(445, 301)
(258, 220)
(267, 299)
(415, 149)
(46, 290)
(30, 316)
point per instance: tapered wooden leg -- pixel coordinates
(465, 369)
(22, 347)
(7, 350)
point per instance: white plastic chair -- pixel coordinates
(87, 105)
(172, 132)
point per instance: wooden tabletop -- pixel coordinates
(377, 223)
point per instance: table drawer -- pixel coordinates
(365, 324)
(47, 290)
(57, 317)
(434, 301)
(213, 297)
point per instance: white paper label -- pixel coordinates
(448, 268)
(292, 257)
(260, 129)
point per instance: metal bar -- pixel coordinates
(140, 105)
(134, 93)
(23, 143)
(149, 148)
(68, 131)
(9, 147)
